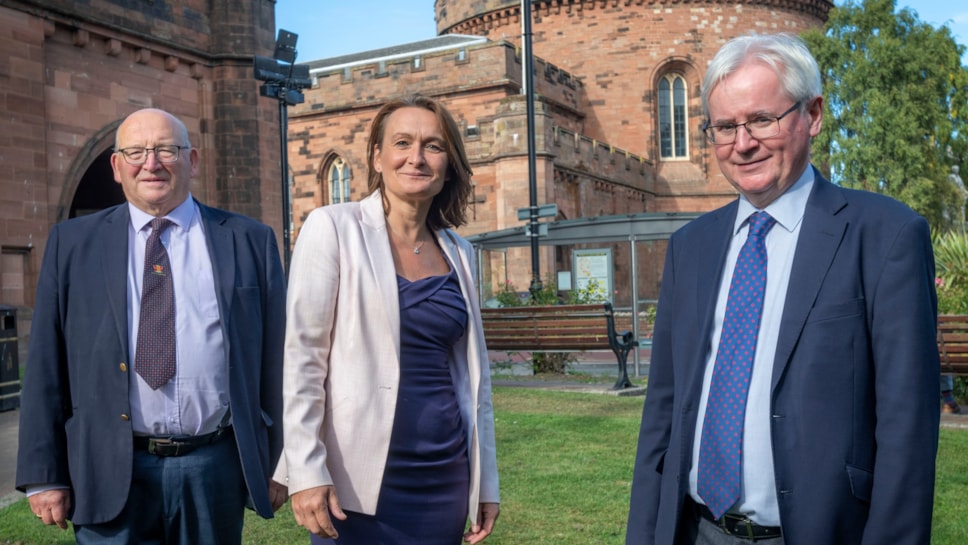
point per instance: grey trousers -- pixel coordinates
(696, 530)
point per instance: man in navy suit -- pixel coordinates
(840, 427)
(175, 460)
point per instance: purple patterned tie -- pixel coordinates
(155, 353)
(720, 449)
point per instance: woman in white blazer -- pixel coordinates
(389, 428)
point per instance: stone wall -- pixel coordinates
(619, 49)
(71, 71)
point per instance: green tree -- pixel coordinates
(896, 106)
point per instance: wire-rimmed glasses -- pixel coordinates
(760, 128)
(164, 154)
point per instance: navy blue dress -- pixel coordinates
(423, 496)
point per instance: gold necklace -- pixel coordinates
(416, 249)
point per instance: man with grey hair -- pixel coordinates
(792, 392)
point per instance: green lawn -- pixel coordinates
(566, 465)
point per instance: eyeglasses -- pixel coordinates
(760, 128)
(164, 154)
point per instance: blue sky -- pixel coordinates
(329, 28)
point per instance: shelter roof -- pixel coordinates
(622, 227)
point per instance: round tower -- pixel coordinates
(640, 63)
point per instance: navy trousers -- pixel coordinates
(192, 499)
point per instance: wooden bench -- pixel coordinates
(561, 328)
(953, 343)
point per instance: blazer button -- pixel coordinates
(125, 417)
(124, 367)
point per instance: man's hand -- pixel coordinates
(51, 506)
(312, 508)
(278, 494)
(484, 523)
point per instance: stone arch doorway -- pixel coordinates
(97, 189)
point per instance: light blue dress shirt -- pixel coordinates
(758, 493)
(196, 400)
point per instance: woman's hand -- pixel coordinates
(313, 507)
(484, 523)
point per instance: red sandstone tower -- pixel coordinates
(617, 112)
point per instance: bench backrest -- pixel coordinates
(545, 327)
(953, 343)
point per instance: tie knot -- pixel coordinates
(760, 224)
(158, 225)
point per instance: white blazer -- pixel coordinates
(342, 359)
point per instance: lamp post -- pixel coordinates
(536, 286)
(283, 81)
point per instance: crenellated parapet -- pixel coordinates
(590, 159)
(461, 68)
(490, 17)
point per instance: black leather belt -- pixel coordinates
(737, 525)
(178, 445)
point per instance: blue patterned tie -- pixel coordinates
(720, 450)
(155, 353)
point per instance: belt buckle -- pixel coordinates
(154, 443)
(166, 446)
(737, 520)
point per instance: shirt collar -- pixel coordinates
(182, 215)
(787, 209)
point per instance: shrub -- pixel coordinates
(951, 264)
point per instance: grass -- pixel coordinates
(566, 464)
(951, 490)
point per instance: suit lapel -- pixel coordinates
(377, 243)
(221, 249)
(453, 256)
(462, 266)
(820, 237)
(114, 263)
(713, 245)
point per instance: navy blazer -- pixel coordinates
(854, 394)
(74, 425)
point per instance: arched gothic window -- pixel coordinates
(672, 117)
(339, 181)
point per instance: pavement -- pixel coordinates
(9, 421)
(595, 364)
(600, 365)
